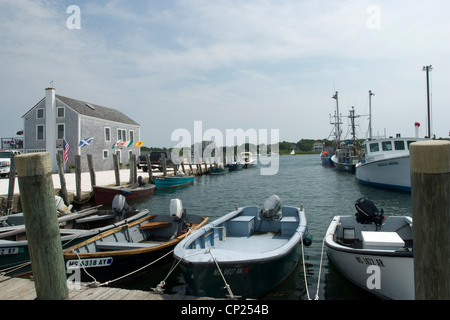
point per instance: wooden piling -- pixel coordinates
(34, 173)
(149, 168)
(91, 170)
(116, 169)
(12, 180)
(163, 163)
(430, 193)
(133, 171)
(62, 179)
(78, 176)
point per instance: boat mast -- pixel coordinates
(370, 113)
(428, 69)
(338, 120)
(352, 121)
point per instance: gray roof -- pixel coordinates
(96, 111)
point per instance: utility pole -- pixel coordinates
(370, 113)
(428, 69)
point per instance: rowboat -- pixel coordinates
(374, 253)
(74, 228)
(220, 169)
(132, 248)
(106, 194)
(173, 181)
(247, 251)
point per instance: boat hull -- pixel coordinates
(393, 173)
(219, 170)
(16, 253)
(105, 195)
(246, 279)
(387, 274)
(343, 166)
(172, 181)
(235, 166)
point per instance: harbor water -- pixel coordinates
(301, 179)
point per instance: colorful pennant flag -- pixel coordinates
(139, 143)
(85, 142)
(117, 143)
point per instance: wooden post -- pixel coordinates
(133, 172)
(149, 167)
(91, 170)
(62, 179)
(163, 162)
(78, 176)
(34, 173)
(12, 181)
(430, 193)
(116, 169)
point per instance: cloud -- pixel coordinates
(256, 63)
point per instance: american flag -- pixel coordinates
(66, 149)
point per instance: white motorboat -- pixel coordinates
(386, 163)
(248, 159)
(373, 252)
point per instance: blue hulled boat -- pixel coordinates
(245, 253)
(235, 166)
(173, 181)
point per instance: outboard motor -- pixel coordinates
(367, 212)
(140, 181)
(176, 209)
(271, 208)
(120, 206)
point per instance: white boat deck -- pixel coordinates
(257, 243)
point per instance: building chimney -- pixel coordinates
(50, 126)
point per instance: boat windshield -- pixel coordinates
(374, 147)
(399, 145)
(387, 145)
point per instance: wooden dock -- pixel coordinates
(23, 289)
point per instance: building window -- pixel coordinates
(105, 154)
(131, 135)
(122, 134)
(60, 112)
(40, 132)
(107, 134)
(60, 131)
(40, 113)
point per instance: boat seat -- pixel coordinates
(95, 218)
(114, 246)
(241, 226)
(154, 224)
(288, 226)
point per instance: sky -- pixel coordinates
(231, 64)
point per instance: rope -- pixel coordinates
(227, 286)
(304, 270)
(320, 271)
(320, 268)
(159, 288)
(5, 271)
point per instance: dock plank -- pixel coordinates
(23, 289)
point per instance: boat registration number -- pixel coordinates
(89, 263)
(5, 251)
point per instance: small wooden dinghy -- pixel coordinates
(133, 248)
